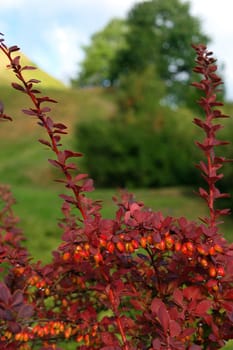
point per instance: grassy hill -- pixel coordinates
(6, 76)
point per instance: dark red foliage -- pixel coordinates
(140, 281)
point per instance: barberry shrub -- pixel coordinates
(135, 282)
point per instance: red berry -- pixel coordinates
(135, 244)
(190, 246)
(110, 247)
(184, 249)
(177, 246)
(220, 271)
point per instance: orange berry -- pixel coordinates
(204, 262)
(135, 244)
(87, 339)
(68, 332)
(184, 249)
(161, 245)
(98, 258)
(212, 271)
(66, 256)
(218, 248)
(87, 246)
(103, 242)
(110, 247)
(79, 338)
(201, 250)
(190, 246)
(120, 246)
(212, 251)
(149, 239)
(128, 247)
(143, 242)
(169, 242)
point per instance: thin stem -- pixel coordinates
(118, 320)
(41, 117)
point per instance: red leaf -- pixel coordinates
(45, 110)
(203, 307)
(54, 163)
(45, 142)
(29, 112)
(192, 293)
(18, 87)
(195, 347)
(26, 311)
(46, 99)
(229, 295)
(17, 299)
(28, 68)
(60, 126)
(49, 121)
(13, 48)
(34, 81)
(68, 199)
(155, 305)
(203, 193)
(80, 177)
(69, 154)
(175, 328)
(4, 293)
(156, 344)
(178, 297)
(71, 166)
(88, 186)
(163, 317)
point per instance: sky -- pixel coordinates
(52, 32)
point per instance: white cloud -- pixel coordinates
(216, 19)
(65, 41)
(12, 4)
(51, 31)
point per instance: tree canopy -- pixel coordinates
(95, 68)
(155, 32)
(160, 33)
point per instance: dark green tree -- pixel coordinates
(104, 45)
(160, 32)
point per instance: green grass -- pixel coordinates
(39, 210)
(6, 76)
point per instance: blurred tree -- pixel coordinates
(99, 53)
(140, 96)
(160, 32)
